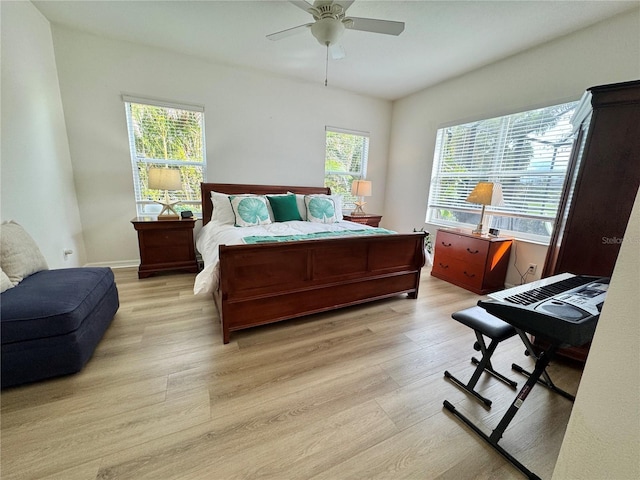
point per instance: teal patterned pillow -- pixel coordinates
(249, 210)
(320, 209)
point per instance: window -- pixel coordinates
(528, 153)
(166, 135)
(345, 161)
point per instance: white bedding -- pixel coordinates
(214, 234)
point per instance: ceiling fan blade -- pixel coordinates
(301, 4)
(289, 32)
(387, 27)
(345, 3)
(337, 51)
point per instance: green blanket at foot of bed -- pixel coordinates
(314, 236)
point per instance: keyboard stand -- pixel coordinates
(540, 370)
(545, 379)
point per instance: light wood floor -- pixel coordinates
(351, 394)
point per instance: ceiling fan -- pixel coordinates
(330, 21)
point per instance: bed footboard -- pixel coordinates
(266, 283)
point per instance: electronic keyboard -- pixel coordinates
(564, 309)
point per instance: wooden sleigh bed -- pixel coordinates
(269, 282)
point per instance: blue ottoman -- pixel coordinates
(52, 321)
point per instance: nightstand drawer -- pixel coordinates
(167, 238)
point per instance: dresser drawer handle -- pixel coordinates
(443, 266)
(469, 275)
(474, 252)
(445, 244)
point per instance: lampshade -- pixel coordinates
(486, 193)
(361, 188)
(165, 179)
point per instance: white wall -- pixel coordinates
(603, 435)
(37, 178)
(555, 72)
(259, 128)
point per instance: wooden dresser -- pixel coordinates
(476, 263)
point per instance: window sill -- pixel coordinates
(503, 233)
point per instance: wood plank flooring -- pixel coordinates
(351, 394)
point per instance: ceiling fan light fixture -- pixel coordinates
(327, 31)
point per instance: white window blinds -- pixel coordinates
(528, 153)
(166, 135)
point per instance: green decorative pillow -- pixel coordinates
(249, 210)
(285, 208)
(320, 209)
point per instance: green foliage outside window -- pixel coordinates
(167, 137)
(345, 161)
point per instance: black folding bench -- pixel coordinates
(484, 325)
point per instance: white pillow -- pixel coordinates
(222, 211)
(321, 208)
(337, 199)
(250, 210)
(5, 283)
(19, 254)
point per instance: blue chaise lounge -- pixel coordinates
(51, 320)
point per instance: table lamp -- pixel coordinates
(165, 179)
(485, 193)
(360, 188)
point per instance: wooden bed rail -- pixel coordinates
(269, 282)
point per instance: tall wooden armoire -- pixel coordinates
(601, 189)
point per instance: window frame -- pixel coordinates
(348, 199)
(136, 160)
(471, 170)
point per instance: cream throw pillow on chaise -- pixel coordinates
(19, 254)
(5, 283)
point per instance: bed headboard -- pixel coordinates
(240, 188)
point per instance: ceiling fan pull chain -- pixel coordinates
(326, 68)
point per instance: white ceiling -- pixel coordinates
(442, 39)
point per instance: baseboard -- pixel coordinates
(119, 264)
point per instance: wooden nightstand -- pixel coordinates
(165, 245)
(476, 263)
(367, 219)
